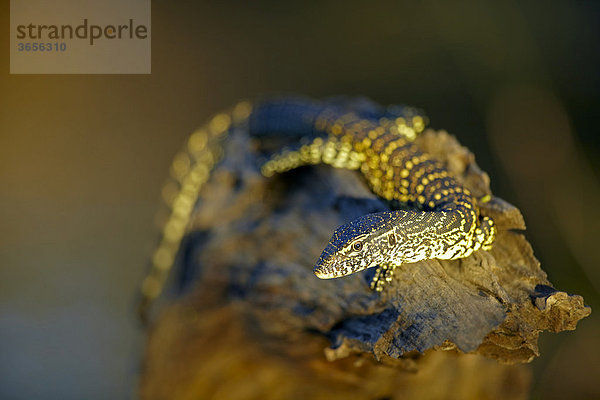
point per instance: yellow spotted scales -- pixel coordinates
(439, 217)
(444, 222)
(189, 172)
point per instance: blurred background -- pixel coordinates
(83, 158)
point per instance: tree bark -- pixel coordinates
(252, 321)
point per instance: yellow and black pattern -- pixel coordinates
(446, 225)
(378, 142)
(189, 172)
(337, 150)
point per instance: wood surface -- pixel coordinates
(251, 321)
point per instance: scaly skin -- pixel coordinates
(446, 224)
(190, 170)
(354, 134)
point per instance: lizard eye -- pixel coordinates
(357, 246)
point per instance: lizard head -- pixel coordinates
(356, 246)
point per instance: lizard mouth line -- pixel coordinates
(323, 275)
(324, 272)
(331, 272)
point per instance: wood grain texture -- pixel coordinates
(252, 321)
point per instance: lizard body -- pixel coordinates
(356, 135)
(446, 224)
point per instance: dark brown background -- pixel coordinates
(83, 157)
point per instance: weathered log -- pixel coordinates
(254, 322)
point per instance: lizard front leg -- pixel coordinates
(383, 275)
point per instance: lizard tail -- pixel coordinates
(189, 172)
